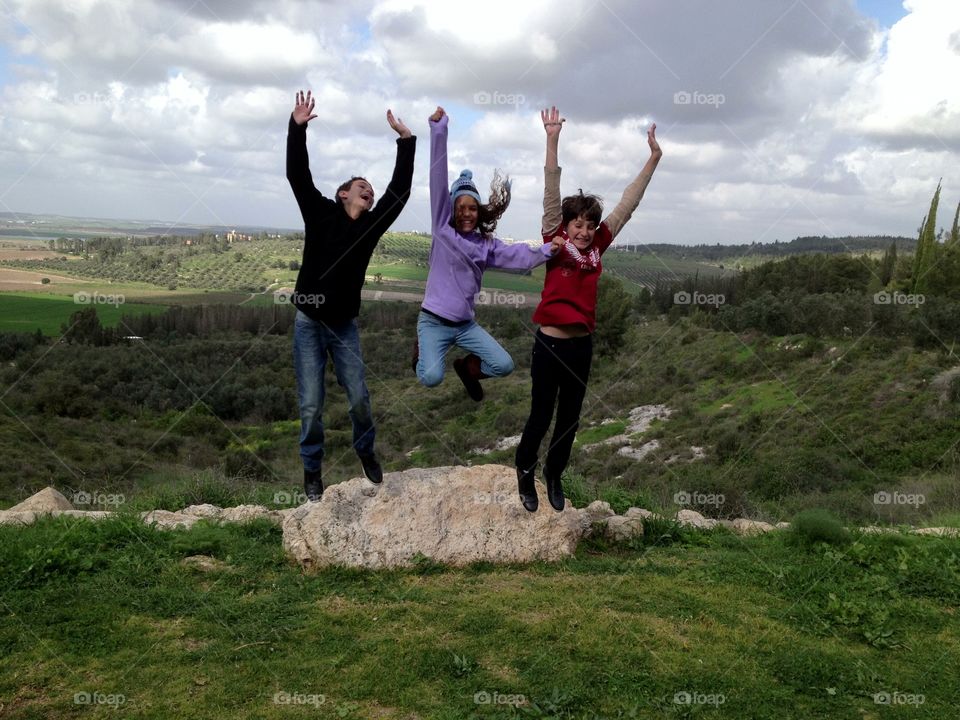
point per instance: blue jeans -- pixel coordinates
(312, 342)
(436, 338)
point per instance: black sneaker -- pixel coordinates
(371, 468)
(528, 490)
(554, 491)
(312, 485)
(474, 389)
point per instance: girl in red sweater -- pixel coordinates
(563, 348)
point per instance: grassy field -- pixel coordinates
(109, 620)
(28, 312)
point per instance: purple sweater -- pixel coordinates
(457, 261)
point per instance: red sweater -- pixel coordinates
(569, 294)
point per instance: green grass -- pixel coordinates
(27, 312)
(759, 397)
(600, 432)
(772, 630)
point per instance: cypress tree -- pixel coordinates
(926, 246)
(887, 264)
(955, 230)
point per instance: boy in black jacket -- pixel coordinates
(340, 236)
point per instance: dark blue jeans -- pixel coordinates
(312, 342)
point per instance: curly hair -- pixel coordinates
(580, 205)
(489, 215)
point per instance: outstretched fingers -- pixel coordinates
(397, 124)
(303, 108)
(552, 122)
(652, 139)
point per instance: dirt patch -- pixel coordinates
(32, 280)
(7, 254)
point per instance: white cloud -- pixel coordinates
(825, 125)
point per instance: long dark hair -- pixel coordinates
(489, 215)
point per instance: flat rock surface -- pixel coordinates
(453, 515)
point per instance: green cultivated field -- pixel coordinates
(27, 312)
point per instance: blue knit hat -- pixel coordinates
(463, 185)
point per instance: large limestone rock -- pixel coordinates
(594, 517)
(621, 528)
(167, 520)
(453, 515)
(47, 500)
(691, 518)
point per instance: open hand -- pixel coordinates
(440, 112)
(652, 141)
(303, 110)
(397, 124)
(552, 122)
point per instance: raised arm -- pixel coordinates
(552, 215)
(298, 163)
(439, 192)
(391, 203)
(634, 191)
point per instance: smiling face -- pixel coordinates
(358, 196)
(580, 230)
(465, 214)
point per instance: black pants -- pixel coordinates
(560, 368)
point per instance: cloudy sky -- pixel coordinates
(778, 118)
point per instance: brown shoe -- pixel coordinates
(468, 370)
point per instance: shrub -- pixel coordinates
(815, 526)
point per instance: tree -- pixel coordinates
(926, 255)
(613, 315)
(954, 236)
(887, 265)
(85, 328)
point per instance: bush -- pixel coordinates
(815, 526)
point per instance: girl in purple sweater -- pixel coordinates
(463, 246)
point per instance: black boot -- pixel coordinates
(312, 485)
(468, 369)
(528, 490)
(554, 490)
(371, 468)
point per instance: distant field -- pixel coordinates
(641, 269)
(26, 312)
